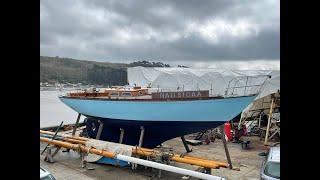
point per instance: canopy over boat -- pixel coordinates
(215, 80)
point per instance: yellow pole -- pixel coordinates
(222, 164)
(145, 152)
(190, 160)
(269, 120)
(72, 137)
(78, 147)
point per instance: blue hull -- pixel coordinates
(163, 120)
(155, 132)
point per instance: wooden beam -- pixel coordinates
(269, 121)
(225, 146)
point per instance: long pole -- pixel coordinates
(167, 167)
(269, 120)
(54, 136)
(150, 152)
(131, 159)
(225, 146)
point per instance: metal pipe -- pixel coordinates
(131, 159)
(99, 130)
(167, 167)
(185, 144)
(121, 135)
(141, 136)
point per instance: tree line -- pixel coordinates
(67, 70)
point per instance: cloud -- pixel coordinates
(178, 31)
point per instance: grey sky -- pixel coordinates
(201, 33)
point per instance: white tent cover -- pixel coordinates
(214, 80)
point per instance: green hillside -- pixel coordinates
(62, 70)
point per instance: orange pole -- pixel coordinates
(179, 159)
(74, 141)
(149, 152)
(78, 147)
(73, 137)
(176, 157)
(222, 164)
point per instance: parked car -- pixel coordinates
(46, 175)
(270, 169)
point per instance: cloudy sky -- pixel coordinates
(238, 34)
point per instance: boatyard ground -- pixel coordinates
(67, 164)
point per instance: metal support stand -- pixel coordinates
(225, 146)
(83, 159)
(159, 173)
(76, 125)
(49, 155)
(134, 166)
(56, 151)
(54, 136)
(121, 135)
(200, 169)
(207, 171)
(99, 130)
(141, 136)
(185, 144)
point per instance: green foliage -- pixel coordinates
(149, 64)
(62, 70)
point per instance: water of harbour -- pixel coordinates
(53, 111)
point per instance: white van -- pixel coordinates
(45, 175)
(270, 169)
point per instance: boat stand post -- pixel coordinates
(159, 173)
(76, 125)
(141, 136)
(207, 171)
(225, 146)
(56, 151)
(99, 130)
(134, 166)
(121, 135)
(185, 144)
(83, 159)
(49, 155)
(55, 134)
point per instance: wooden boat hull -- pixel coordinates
(162, 120)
